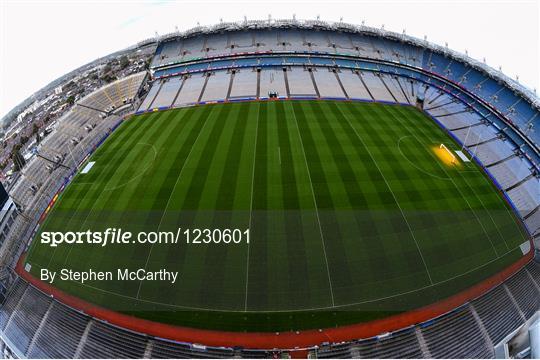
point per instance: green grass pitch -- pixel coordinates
(352, 216)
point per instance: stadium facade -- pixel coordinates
(8, 214)
(490, 115)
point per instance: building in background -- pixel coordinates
(7, 218)
(7, 214)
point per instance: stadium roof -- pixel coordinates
(346, 27)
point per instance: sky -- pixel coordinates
(42, 40)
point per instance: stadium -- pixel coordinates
(297, 188)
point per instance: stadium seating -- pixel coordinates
(244, 84)
(26, 320)
(501, 323)
(74, 135)
(525, 293)
(331, 43)
(191, 91)
(300, 83)
(115, 94)
(167, 92)
(402, 344)
(162, 349)
(216, 86)
(17, 291)
(104, 341)
(36, 322)
(492, 120)
(61, 333)
(327, 84)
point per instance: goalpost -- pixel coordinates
(442, 146)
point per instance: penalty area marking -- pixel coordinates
(88, 167)
(415, 165)
(462, 156)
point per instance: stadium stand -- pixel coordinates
(498, 325)
(455, 335)
(216, 87)
(470, 331)
(335, 43)
(60, 335)
(167, 92)
(149, 99)
(244, 84)
(490, 114)
(104, 340)
(75, 135)
(163, 349)
(353, 85)
(327, 84)
(272, 81)
(300, 83)
(191, 91)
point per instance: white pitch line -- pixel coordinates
(394, 196)
(85, 219)
(316, 208)
(92, 210)
(413, 133)
(506, 208)
(251, 208)
(416, 166)
(367, 301)
(170, 197)
(140, 173)
(485, 208)
(464, 198)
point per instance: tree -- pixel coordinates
(108, 78)
(17, 158)
(124, 62)
(107, 68)
(24, 140)
(70, 100)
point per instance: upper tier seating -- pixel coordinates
(330, 43)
